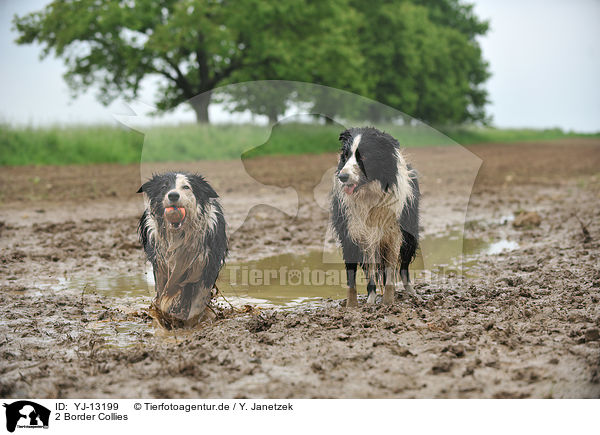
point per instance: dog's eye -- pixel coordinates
(186, 187)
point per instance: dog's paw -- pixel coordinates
(389, 294)
(410, 293)
(352, 299)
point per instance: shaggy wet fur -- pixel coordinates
(186, 257)
(374, 211)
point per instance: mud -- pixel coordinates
(524, 322)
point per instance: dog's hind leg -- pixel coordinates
(371, 291)
(407, 253)
(352, 297)
(378, 279)
(408, 288)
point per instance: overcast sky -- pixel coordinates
(544, 57)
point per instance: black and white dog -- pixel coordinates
(182, 231)
(375, 211)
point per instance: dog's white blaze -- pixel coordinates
(187, 198)
(180, 181)
(351, 167)
(371, 298)
(355, 143)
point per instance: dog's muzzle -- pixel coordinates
(349, 187)
(175, 216)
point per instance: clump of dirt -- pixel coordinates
(527, 219)
(260, 322)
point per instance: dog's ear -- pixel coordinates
(201, 188)
(143, 187)
(210, 191)
(345, 137)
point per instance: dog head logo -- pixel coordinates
(26, 414)
(312, 124)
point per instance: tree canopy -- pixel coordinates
(424, 58)
(420, 57)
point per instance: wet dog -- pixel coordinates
(375, 211)
(183, 234)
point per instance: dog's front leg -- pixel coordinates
(352, 297)
(389, 292)
(408, 288)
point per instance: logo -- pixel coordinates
(26, 414)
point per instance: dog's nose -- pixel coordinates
(343, 177)
(173, 196)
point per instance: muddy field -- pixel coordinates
(524, 322)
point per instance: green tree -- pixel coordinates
(193, 45)
(424, 58)
(323, 49)
(270, 98)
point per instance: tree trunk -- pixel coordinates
(273, 117)
(200, 105)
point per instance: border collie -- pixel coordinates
(182, 231)
(375, 211)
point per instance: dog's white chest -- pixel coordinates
(374, 227)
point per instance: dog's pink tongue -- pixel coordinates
(349, 189)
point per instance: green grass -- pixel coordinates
(476, 135)
(72, 145)
(107, 144)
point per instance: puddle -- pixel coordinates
(120, 333)
(501, 246)
(285, 280)
(128, 294)
(114, 286)
(282, 281)
(290, 280)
